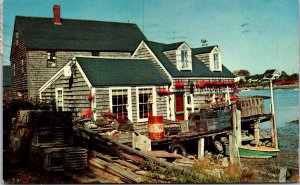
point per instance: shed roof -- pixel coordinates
(121, 72)
(7, 76)
(83, 35)
(199, 68)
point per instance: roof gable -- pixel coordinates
(121, 72)
(85, 35)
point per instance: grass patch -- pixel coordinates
(199, 174)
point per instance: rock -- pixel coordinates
(174, 178)
(208, 155)
(265, 135)
(219, 146)
(215, 172)
(224, 140)
(141, 172)
(162, 177)
(269, 144)
(220, 156)
(224, 162)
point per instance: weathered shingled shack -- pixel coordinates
(43, 49)
(126, 86)
(42, 46)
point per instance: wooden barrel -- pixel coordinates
(155, 127)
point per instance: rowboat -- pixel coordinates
(256, 152)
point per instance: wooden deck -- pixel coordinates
(185, 137)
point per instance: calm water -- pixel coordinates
(286, 109)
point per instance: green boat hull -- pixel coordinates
(255, 153)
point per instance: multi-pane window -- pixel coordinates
(59, 99)
(183, 59)
(120, 103)
(145, 103)
(216, 61)
(51, 59)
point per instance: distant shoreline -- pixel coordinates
(293, 86)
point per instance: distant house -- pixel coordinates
(238, 78)
(271, 74)
(126, 86)
(42, 46)
(187, 67)
(7, 90)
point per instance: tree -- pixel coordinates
(283, 75)
(241, 72)
(295, 75)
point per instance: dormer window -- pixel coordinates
(215, 60)
(183, 59)
(51, 59)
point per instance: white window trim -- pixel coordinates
(211, 61)
(154, 105)
(94, 103)
(191, 105)
(129, 99)
(56, 95)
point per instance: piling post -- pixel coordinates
(201, 149)
(238, 127)
(233, 145)
(256, 132)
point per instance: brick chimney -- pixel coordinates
(56, 14)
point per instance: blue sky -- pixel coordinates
(252, 34)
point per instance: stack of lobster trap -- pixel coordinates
(211, 120)
(46, 138)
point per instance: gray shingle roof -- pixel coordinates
(121, 72)
(199, 68)
(202, 50)
(84, 35)
(173, 46)
(7, 76)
